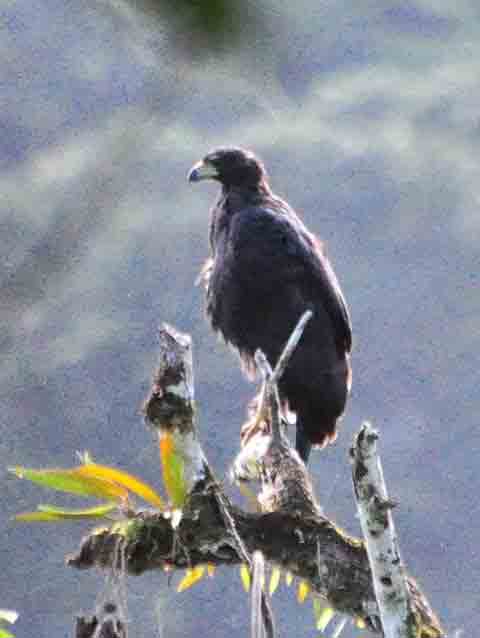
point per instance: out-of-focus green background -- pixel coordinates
(367, 116)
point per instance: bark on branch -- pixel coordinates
(291, 532)
(107, 625)
(395, 593)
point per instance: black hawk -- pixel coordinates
(266, 268)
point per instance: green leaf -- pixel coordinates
(274, 580)
(49, 513)
(73, 482)
(173, 470)
(4, 633)
(323, 614)
(245, 577)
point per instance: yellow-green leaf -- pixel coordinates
(126, 480)
(323, 613)
(318, 605)
(173, 470)
(324, 617)
(360, 623)
(274, 580)
(303, 591)
(49, 513)
(86, 512)
(73, 482)
(8, 615)
(191, 577)
(288, 578)
(36, 517)
(245, 577)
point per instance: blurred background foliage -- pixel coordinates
(367, 118)
(200, 27)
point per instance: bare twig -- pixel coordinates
(257, 594)
(291, 346)
(269, 397)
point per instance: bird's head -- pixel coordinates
(232, 167)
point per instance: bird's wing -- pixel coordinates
(281, 248)
(334, 300)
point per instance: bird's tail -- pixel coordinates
(311, 434)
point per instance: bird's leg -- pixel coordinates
(259, 416)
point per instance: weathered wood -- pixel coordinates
(107, 626)
(397, 598)
(170, 405)
(290, 532)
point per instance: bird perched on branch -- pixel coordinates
(266, 268)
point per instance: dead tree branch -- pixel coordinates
(107, 626)
(170, 410)
(291, 531)
(394, 593)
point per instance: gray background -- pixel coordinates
(367, 116)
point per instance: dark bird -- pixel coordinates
(266, 268)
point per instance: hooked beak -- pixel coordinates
(202, 170)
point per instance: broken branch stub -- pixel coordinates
(107, 627)
(404, 611)
(171, 404)
(170, 410)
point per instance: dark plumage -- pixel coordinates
(265, 270)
